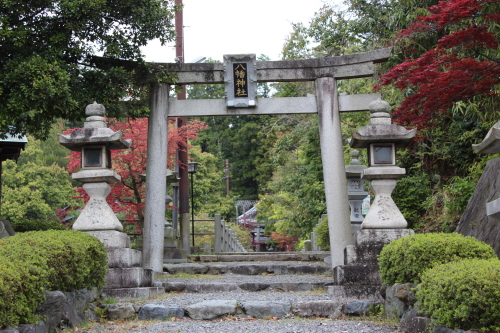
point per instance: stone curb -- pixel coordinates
(248, 286)
(248, 269)
(212, 309)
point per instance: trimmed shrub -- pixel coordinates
(463, 294)
(323, 235)
(37, 225)
(406, 259)
(45, 260)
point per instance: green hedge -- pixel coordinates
(45, 260)
(37, 225)
(463, 294)
(406, 259)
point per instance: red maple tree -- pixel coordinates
(464, 64)
(127, 196)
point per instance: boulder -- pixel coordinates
(120, 311)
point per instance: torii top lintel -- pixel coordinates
(342, 67)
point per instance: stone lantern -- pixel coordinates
(125, 277)
(95, 141)
(355, 190)
(382, 138)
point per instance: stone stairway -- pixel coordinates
(289, 285)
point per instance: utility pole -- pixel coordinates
(181, 121)
(227, 178)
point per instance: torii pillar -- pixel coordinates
(332, 156)
(156, 184)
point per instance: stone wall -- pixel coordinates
(475, 222)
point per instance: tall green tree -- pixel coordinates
(33, 192)
(48, 57)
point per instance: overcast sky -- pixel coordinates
(213, 28)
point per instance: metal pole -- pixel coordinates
(192, 205)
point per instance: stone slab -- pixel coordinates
(123, 257)
(174, 286)
(356, 275)
(211, 287)
(160, 312)
(381, 236)
(128, 278)
(133, 293)
(111, 238)
(324, 308)
(209, 310)
(264, 309)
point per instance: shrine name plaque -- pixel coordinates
(240, 80)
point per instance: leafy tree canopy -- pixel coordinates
(462, 67)
(48, 52)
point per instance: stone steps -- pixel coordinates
(210, 287)
(246, 268)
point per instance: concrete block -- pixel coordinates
(111, 238)
(381, 236)
(123, 257)
(128, 278)
(356, 275)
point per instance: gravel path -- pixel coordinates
(248, 326)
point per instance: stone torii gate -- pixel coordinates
(327, 104)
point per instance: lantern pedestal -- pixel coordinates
(97, 215)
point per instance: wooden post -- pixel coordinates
(332, 155)
(218, 233)
(156, 179)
